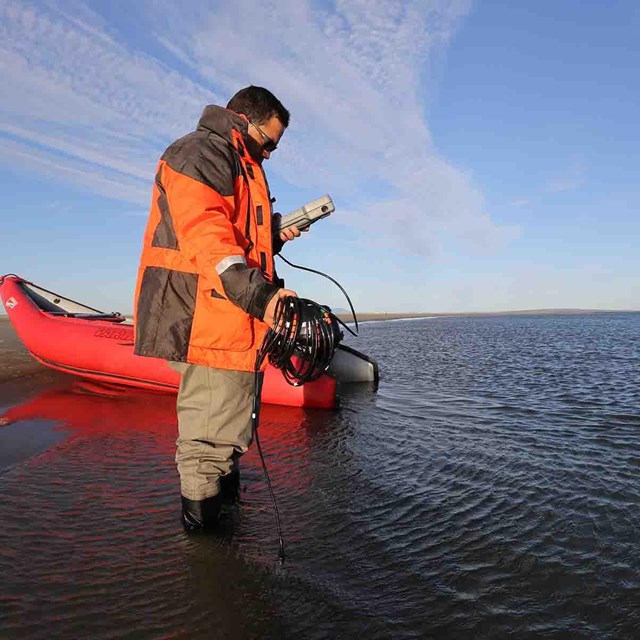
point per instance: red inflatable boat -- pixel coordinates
(83, 341)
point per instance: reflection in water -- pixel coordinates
(93, 522)
(84, 405)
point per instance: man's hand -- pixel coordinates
(290, 233)
(269, 312)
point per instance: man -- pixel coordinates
(207, 290)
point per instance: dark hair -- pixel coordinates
(259, 105)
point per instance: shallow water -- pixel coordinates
(490, 487)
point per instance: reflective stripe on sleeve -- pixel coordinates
(225, 263)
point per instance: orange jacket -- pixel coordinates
(206, 271)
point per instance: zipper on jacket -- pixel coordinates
(247, 226)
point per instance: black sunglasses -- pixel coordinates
(269, 144)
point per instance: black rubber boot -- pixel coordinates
(201, 515)
(230, 486)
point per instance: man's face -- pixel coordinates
(264, 137)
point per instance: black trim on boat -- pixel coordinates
(108, 317)
(45, 304)
(55, 310)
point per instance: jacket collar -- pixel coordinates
(222, 121)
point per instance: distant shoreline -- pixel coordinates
(368, 317)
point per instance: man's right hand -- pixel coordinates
(269, 312)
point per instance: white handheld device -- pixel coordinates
(309, 213)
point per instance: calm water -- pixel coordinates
(490, 488)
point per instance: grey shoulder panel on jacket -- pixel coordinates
(205, 157)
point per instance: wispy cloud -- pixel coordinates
(89, 105)
(83, 103)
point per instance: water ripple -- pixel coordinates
(489, 489)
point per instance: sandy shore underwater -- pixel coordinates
(15, 361)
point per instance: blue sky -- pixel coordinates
(481, 155)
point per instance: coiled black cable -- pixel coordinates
(304, 338)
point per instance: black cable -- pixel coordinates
(281, 555)
(304, 340)
(301, 344)
(254, 426)
(324, 275)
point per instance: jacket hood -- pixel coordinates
(222, 121)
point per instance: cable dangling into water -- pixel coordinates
(254, 428)
(301, 344)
